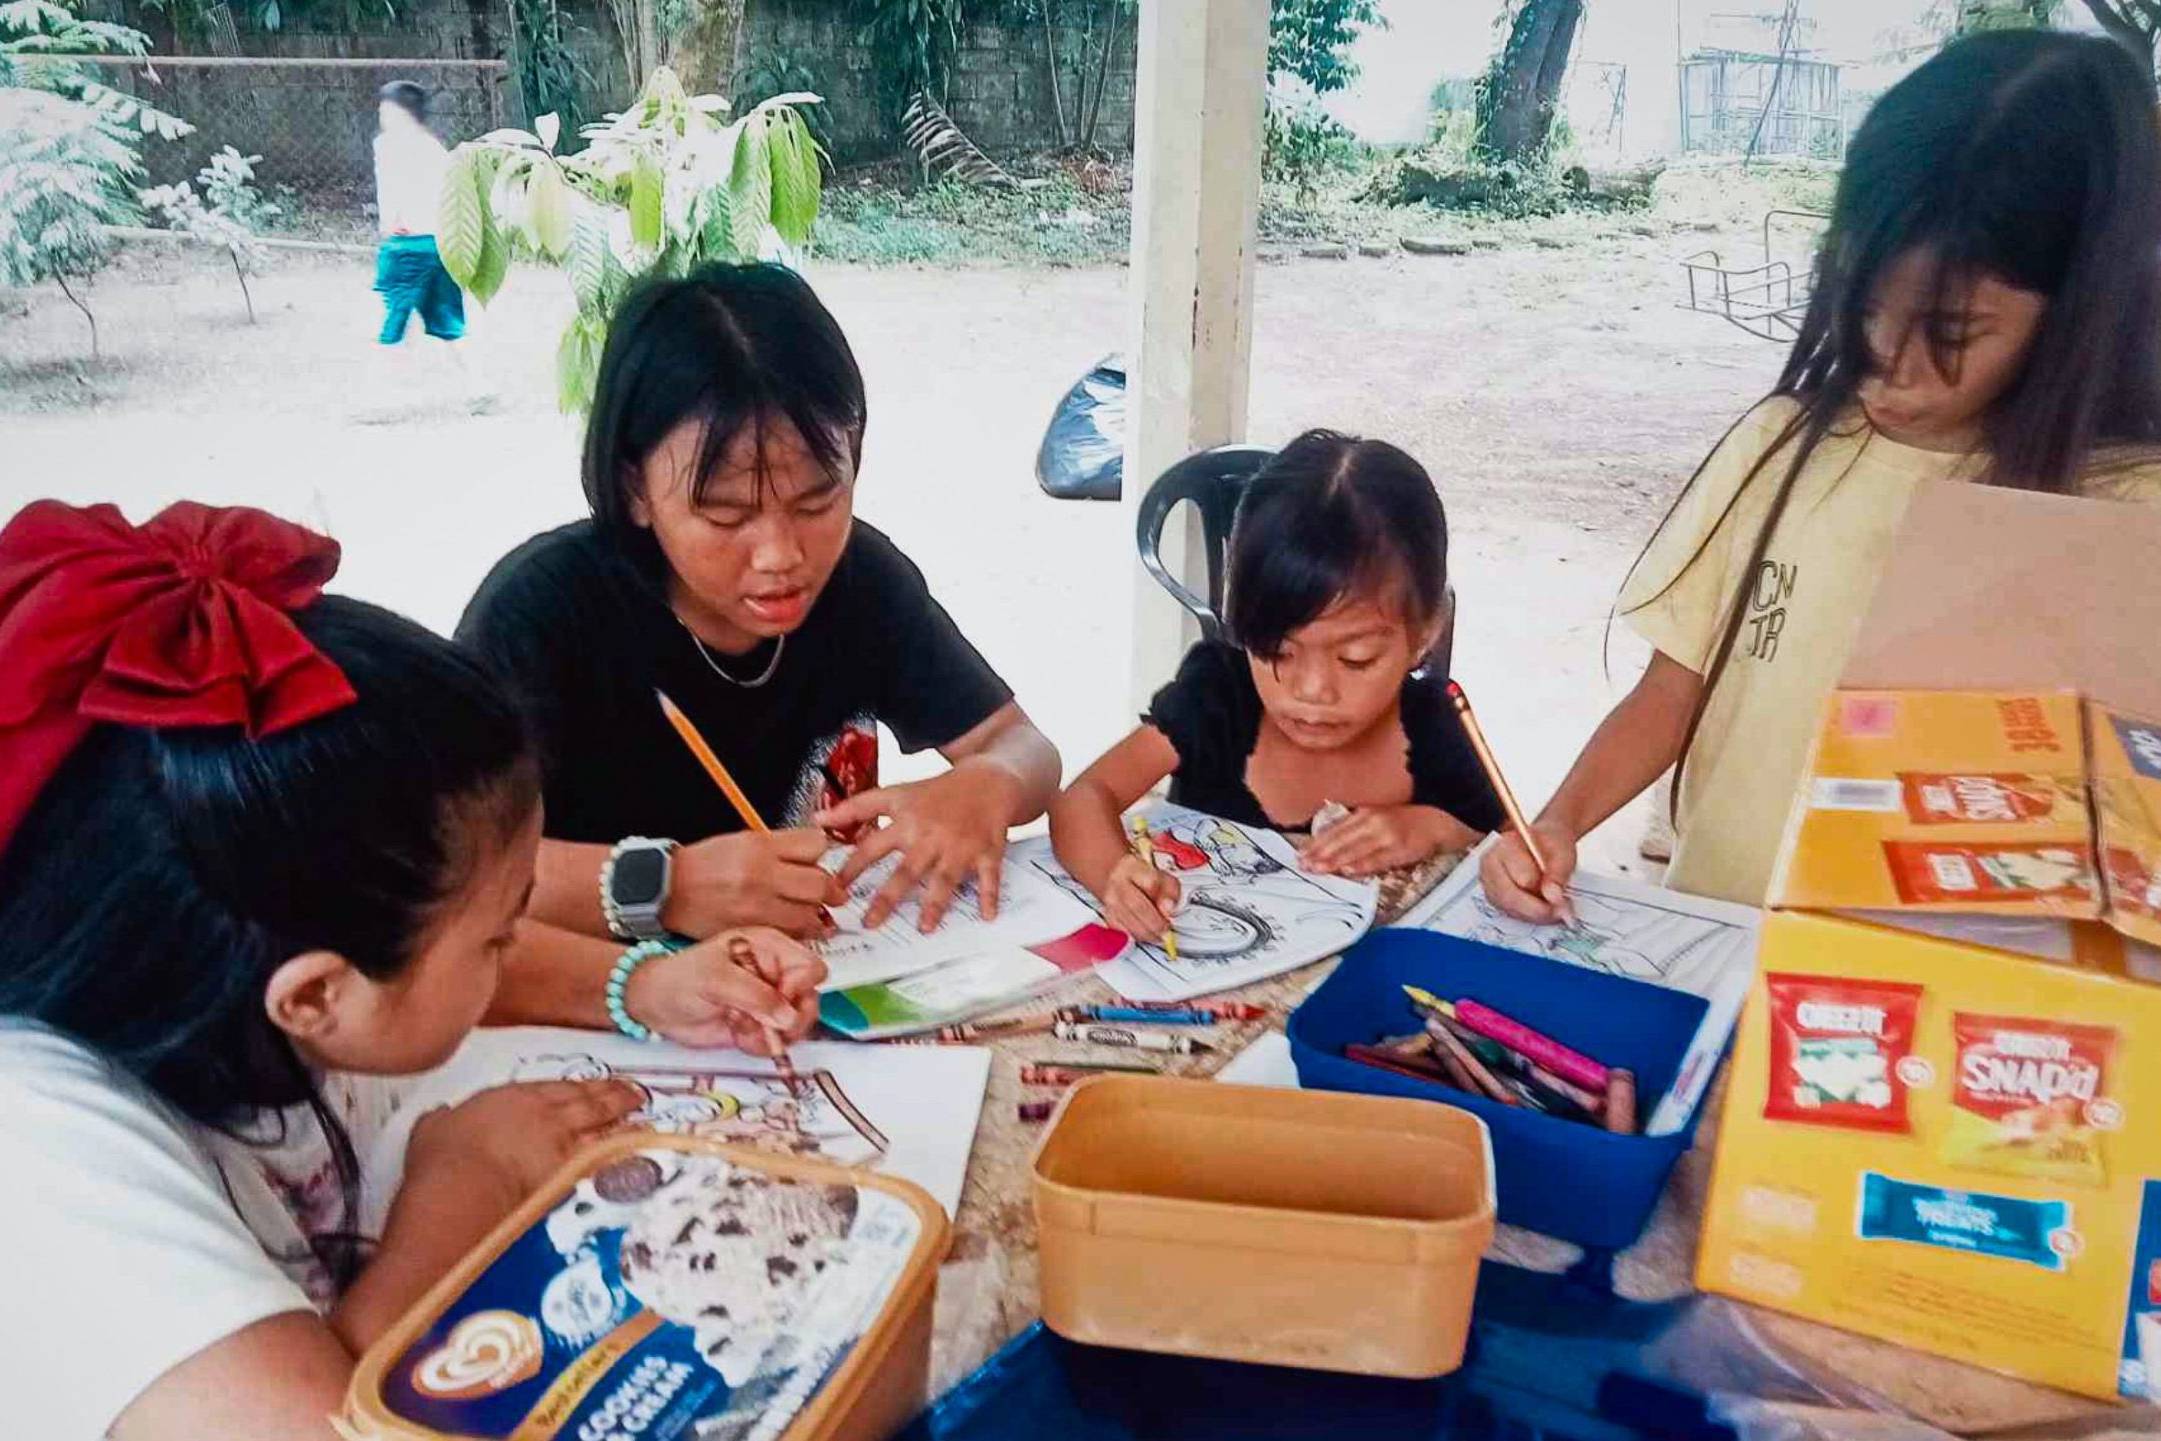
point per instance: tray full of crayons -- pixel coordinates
(1561, 1062)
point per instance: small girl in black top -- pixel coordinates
(1337, 590)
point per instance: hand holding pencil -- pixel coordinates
(1140, 899)
(1532, 862)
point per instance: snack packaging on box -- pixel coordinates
(1955, 800)
(663, 1287)
(2127, 808)
(1940, 1127)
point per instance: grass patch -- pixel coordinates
(871, 220)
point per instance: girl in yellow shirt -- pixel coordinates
(1987, 307)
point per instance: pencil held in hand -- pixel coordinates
(743, 954)
(1552, 889)
(1145, 846)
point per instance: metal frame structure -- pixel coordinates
(1767, 299)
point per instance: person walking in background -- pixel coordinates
(409, 166)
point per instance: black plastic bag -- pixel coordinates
(1083, 452)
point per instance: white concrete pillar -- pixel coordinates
(1196, 203)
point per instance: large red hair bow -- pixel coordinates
(181, 621)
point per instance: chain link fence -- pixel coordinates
(311, 120)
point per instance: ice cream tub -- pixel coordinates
(665, 1286)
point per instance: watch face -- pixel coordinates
(638, 876)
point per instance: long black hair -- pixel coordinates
(1333, 515)
(163, 875)
(730, 346)
(2027, 155)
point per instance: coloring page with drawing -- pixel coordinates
(1248, 911)
(1625, 928)
(904, 1111)
(1031, 909)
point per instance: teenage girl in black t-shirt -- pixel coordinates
(1337, 591)
(723, 565)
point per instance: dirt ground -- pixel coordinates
(1558, 396)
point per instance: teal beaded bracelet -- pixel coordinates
(619, 983)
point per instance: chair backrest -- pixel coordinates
(1215, 481)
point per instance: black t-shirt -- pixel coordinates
(1212, 714)
(584, 640)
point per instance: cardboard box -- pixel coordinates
(1943, 1122)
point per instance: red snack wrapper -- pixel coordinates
(1993, 799)
(1944, 873)
(1836, 1049)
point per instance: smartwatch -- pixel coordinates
(634, 887)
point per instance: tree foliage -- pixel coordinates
(64, 176)
(665, 187)
(229, 213)
(39, 41)
(1311, 39)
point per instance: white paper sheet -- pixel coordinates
(1031, 909)
(1249, 911)
(1626, 928)
(909, 1112)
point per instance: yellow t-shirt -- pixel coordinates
(1803, 606)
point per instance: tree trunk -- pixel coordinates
(1050, 69)
(2129, 23)
(1103, 76)
(703, 54)
(1516, 104)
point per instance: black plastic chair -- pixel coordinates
(1214, 481)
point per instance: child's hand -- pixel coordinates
(1139, 899)
(1512, 880)
(1378, 838)
(947, 830)
(511, 1138)
(701, 996)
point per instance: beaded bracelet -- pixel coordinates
(619, 984)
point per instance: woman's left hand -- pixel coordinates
(945, 830)
(704, 995)
(1378, 838)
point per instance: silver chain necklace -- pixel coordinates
(760, 679)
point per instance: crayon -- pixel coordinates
(1568, 1064)
(1483, 1081)
(1127, 1038)
(1066, 1073)
(1221, 1010)
(1498, 1056)
(1453, 1070)
(1621, 1102)
(1036, 1110)
(973, 1031)
(1136, 1015)
(1423, 1061)
(1381, 1061)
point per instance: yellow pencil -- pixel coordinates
(1147, 849)
(738, 948)
(1507, 797)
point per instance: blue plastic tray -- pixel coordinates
(1564, 1178)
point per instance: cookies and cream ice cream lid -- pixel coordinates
(659, 1288)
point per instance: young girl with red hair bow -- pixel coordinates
(257, 844)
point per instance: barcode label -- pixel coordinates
(1952, 873)
(1838, 794)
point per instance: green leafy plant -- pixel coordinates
(913, 44)
(549, 75)
(64, 176)
(1300, 144)
(768, 73)
(38, 42)
(230, 212)
(1310, 39)
(666, 186)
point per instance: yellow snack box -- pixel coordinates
(2127, 807)
(1966, 801)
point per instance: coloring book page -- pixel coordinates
(1625, 928)
(909, 1112)
(1031, 908)
(1248, 911)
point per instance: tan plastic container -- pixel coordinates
(880, 1386)
(1288, 1228)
